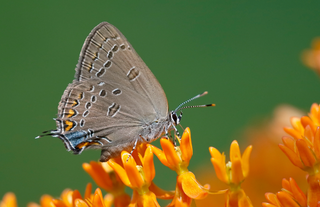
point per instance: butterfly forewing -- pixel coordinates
(105, 48)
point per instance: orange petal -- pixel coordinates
(220, 168)
(289, 142)
(161, 156)
(98, 199)
(314, 111)
(309, 135)
(191, 187)
(296, 123)
(87, 193)
(178, 202)
(292, 132)
(131, 169)
(148, 200)
(306, 121)
(215, 153)
(98, 174)
(313, 193)
(135, 199)
(316, 145)
(59, 203)
(293, 157)
(244, 200)
(234, 151)
(298, 194)
(66, 196)
(171, 155)
(245, 161)
(286, 184)
(31, 204)
(80, 203)
(109, 199)
(47, 201)
(76, 195)
(264, 204)
(8, 200)
(148, 165)
(160, 193)
(120, 171)
(236, 170)
(272, 198)
(186, 146)
(122, 200)
(305, 153)
(286, 200)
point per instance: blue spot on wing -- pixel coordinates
(76, 138)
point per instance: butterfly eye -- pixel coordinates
(174, 118)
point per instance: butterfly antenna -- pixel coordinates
(197, 106)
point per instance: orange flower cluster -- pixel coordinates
(68, 198)
(137, 171)
(233, 173)
(303, 150)
(290, 195)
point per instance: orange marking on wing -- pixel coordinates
(69, 125)
(71, 113)
(83, 144)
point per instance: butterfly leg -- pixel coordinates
(133, 148)
(176, 133)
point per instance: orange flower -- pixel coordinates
(236, 170)
(8, 200)
(311, 57)
(233, 173)
(303, 149)
(177, 159)
(290, 196)
(265, 160)
(106, 178)
(71, 198)
(139, 178)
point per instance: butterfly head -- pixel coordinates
(174, 118)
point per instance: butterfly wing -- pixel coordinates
(105, 48)
(113, 96)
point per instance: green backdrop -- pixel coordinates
(246, 54)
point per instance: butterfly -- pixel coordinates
(115, 102)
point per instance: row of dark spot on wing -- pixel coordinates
(73, 101)
(99, 51)
(67, 124)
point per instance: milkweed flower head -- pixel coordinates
(290, 195)
(303, 147)
(137, 172)
(106, 178)
(233, 173)
(70, 198)
(177, 158)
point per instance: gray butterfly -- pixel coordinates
(115, 102)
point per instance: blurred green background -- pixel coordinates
(246, 54)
